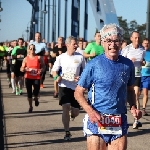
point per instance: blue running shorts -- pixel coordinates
(145, 82)
(92, 129)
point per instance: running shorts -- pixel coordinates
(66, 96)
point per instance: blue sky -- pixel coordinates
(16, 15)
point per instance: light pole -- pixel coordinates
(1, 9)
(27, 30)
(53, 7)
(148, 20)
(44, 13)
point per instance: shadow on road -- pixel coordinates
(44, 142)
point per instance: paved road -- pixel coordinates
(43, 130)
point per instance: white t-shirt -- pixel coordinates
(130, 52)
(79, 51)
(71, 66)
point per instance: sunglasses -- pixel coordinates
(32, 48)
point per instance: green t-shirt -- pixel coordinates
(2, 51)
(14, 51)
(93, 47)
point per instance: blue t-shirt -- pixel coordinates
(146, 69)
(107, 82)
(39, 47)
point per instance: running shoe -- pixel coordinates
(17, 91)
(10, 85)
(13, 91)
(21, 91)
(144, 112)
(30, 109)
(55, 95)
(67, 136)
(137, 124)
(36, 102)
(71, 117)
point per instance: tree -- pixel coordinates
(123, 23)
(133, 26)
(142, 30)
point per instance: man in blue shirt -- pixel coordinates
(108, 78)
(40, 47)
(145, 80)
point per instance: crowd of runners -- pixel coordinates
(113, 72)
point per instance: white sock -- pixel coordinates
(49, 70)
(13, 83)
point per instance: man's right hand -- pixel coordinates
(94, 116)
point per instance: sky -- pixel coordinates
(16, 15)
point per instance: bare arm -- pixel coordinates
(79, 96)
(42, 64)
(22, 69)
(88, 55)
(131, 99)
(132, 102)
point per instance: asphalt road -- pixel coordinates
(43, 129)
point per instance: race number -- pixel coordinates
(110, 125)
(13, 61)
(33, 72)
(68, 76)
(137, 71)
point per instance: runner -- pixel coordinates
(145, 81)
(14, 43)
(8, 59)
(45, 58)
(136, 53)
(18, 54)
(58, 50)
(33, 66)
(72, 63)
(39, 46)
(2, 54)
(108, 78)
(80, 47)
(94, 49)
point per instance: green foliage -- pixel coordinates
(130, 27)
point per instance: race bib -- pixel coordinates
(147, 64)
(13, 61)
(68, 76)
(21, 57)
(137, 71)
(33, 72)
(110, 125)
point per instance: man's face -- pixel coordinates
(97, 37)
(112, 45)
(80, 44)
(72, 46)
(145, 44)
(124, 44)
(15, 43)
(37, 37)
(84, 45)
(135, 38)
(20, 43)
(60, 40)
